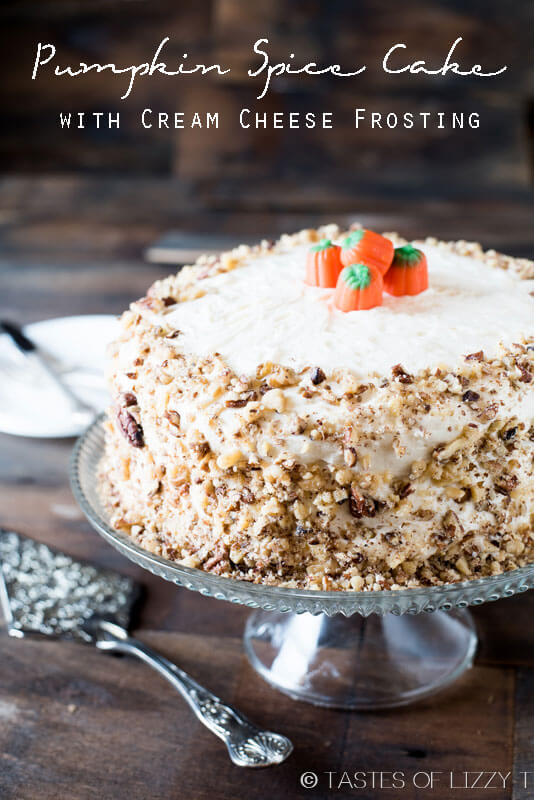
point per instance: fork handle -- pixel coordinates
(248, 745)
(77, 404)
(30, 350)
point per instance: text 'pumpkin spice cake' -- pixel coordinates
(332, 411)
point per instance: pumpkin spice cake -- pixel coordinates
(329, 412)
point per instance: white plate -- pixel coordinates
(30, 404)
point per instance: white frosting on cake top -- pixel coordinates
(263, 311)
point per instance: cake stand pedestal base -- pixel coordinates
(360, 662)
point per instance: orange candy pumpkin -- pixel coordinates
(359, 287)
(367, 247)
(408, 274)
(323, 264)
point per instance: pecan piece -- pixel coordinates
(509, 434)
(317, 376)
(347, 435)
(201, 448)
(173, 417)
(242, 401)
(400, 373)
(129, 399)
(214, 560)
(526, 376)
(130, 428)
(156, 490)
(470, 397)
(247, 496)
(405, 490)
(489, 412)
(360, 505)
(169, 301)
(478, 356)
(506, 484)
(236, 403)
(451, 524)
(147, 302)
(350, 456)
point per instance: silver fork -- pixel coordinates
(15, 371)
(81, 410)
(248, 745)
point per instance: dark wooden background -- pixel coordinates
(255, 170)
(121, 187)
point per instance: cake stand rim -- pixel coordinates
(279, 598)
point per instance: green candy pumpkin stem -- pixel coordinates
(324, 244)
(357, 276)
(323, 264)
(353, 238)
(359, 287)
(407, 256)
(408, 274)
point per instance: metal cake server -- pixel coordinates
(46, 593)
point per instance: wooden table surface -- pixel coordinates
(77, 724)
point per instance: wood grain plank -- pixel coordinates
(81, 724)
(524, 738)
(467, 728)
(65, 701)
(217, 169)
(502, 628)
(75, 223)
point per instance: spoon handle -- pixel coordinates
(248, 745)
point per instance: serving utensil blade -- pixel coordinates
(44, 592)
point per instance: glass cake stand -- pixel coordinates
(355, 650)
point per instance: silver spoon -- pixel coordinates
(248, 745)
(44, 592)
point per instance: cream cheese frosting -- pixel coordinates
(263, 312)
(260, 433)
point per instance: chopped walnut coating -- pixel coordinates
(356, 491)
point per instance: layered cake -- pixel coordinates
(312, 414)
